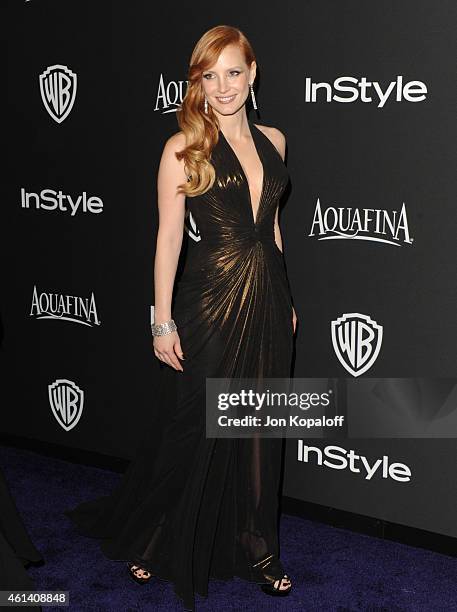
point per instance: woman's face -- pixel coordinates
(226, 83)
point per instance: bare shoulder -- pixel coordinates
(176, 142)
(170, 166)
(276, 136)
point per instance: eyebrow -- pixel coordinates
(232, 68)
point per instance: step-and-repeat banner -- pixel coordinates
(365, 93)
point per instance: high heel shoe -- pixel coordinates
(275, 589)
(270, 573)
(133, 575)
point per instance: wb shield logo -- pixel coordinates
(357, 341)
(66, 401)
(58, 91)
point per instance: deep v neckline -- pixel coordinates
(254, 214)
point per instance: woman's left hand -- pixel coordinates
(294, 319)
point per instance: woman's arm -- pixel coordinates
(171, 205)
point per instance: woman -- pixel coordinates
(208, 508)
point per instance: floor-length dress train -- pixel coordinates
(208, 508)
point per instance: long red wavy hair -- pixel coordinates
(201, 129)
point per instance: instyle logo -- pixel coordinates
(353, 89)
(58, 86)
(169, 95)
(49, 199)
(356, 341)
(66, 400)
(64, 308)
(338, 458)
(372, 224)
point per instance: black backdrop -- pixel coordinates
(130, 61)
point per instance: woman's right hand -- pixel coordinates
(167, 348)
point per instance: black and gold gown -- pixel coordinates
(208, 507)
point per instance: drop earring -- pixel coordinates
(253, 96)
(206, 105)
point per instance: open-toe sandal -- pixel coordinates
(270, 573)
(133, 568)
(277, 587)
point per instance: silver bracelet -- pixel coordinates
(161, 329)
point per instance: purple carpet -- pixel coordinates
(332, 569)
